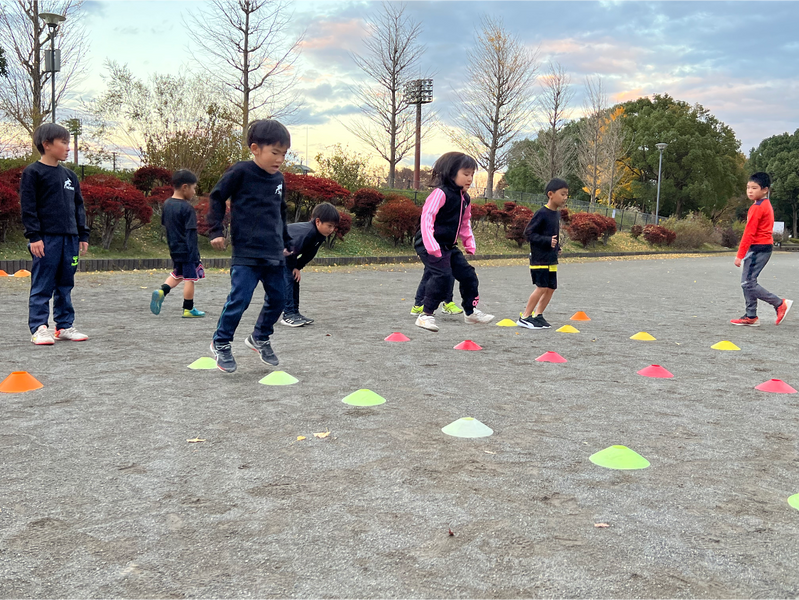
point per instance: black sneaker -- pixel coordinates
(264, 348)
(291, 321)
(305, 319)
(224, 356)
(528, 322)
(543, 322)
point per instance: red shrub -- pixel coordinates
(509, 207)
(12, 177)
(565, 215)
(479, 212)
(636, 231)
(111, 200)
(521, 216)
(398, 218)
(363, 204)
(584, 229)
(9, 208)
(305, 192)
(146, 178)
(659, 236)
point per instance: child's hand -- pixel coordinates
(297, 275)
(218, 243)
(84, 248)
(286, 252)
(554, 241)
(737, 262)
(37, 248)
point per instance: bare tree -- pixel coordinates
(555, 152)
(590, 153)
(614, 149)
(24, 35)
(251, 55)
(498, 99)
(391, 58)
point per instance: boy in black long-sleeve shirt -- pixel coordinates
(259, 236)
(55, 225)
(180, 221)
(543, 232)
(305, 241)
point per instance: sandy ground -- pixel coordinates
(102, 495)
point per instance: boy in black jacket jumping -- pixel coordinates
(259, 237)
(55, 225)
(305, 241)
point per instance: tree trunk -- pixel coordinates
(245, 105)
(794, 208)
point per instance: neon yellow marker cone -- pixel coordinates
(506, 323)
(467, 427)
(568, 329)
(619, 457)
(279, 378)
(643, 336)
(794, 501)
(364, 398)
(725, 345)
(205, 362)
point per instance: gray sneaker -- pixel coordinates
(264, 348)
(224, 356)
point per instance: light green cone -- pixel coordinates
(794, 501)
(619, 457)
(364, 398)
(203, 363)
(279, 378)
(467, 427)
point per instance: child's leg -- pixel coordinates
(420, 291)
(533, 301)
(63, 311)
(171, 282)
(43, 282)
(467, 278)
(451, 288)
(440, 272)
(543, 301)
(752, 266)
(273, 280)
(243, 281)
(290, 307)
(295, 294)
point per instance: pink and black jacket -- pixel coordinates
(447, 217)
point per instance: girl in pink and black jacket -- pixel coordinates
(446, 217)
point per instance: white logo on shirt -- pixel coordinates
(279, 190)
(68, 185)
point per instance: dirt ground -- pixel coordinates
(102, 495)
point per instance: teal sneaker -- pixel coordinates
(450, 308)
(156, 301)
(417, 310)
(193, 313)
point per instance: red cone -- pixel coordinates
(397, 337)
(775, 386)
(552, 357)
(468, 345)
(655, 371)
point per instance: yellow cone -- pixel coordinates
(725, 345)
(568, 329)
(643, 336)
(506, 323)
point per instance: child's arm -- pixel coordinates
(532, 235)
(80, 218)
(430, 209)
(466, 233)
(192, 244)
(224, 189)
(749, 234)
(27, 200)
(283, 215)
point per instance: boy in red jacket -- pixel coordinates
(755, 251)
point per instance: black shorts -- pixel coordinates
(545, 276)
(190, 271)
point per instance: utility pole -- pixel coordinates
(418, 92)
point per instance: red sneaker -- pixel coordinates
(748, 321)
(782, 310)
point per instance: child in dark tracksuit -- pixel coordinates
(446, 217)
(55, 226)
(305, 241)
(259, 236)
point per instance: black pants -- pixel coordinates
(422, 289)
(53, 276)
(442, 269)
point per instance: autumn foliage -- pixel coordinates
(398, 218)
(305, 192)
(363, 204)
(659, 236)
(109, 202)
(587, 227)
(519, 218)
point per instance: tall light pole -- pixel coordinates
(52, 60)
(418, 92)
(661, 146)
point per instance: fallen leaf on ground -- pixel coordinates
(601, 525)
(451, 532)
(195, 440)
(489, 452)
(300, 437)
(322, 434)
(144, 287)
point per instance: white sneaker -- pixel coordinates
(427, 322)
(70, 335)
(42, 336)
(478, 316)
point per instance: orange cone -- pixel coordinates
(468, 345)
(22, 273)
(18, 382)
(3, 273)
(580, 316)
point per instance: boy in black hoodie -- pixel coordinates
(55, 225)
(259, 236)
(305, 241)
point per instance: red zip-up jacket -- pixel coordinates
(759, 226)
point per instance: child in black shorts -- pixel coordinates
(180, 221)
(543, 234)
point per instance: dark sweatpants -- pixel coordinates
(420, 291)
(442, 269)
(754, 261)
(53, 276)
(243, 281)
(292, 306)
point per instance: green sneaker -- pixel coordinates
(450, 308)
(417, 310)
(193, 313)
(156, 300)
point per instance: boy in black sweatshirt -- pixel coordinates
(259, 236)
(305, 241)
(543, 232)
(55, 225)
(180, 220)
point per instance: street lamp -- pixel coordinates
(661, 146)
(52, 60)
(418, 92)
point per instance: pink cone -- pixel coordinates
(468, 345)
(775, 386)
(397, 337)
(655, 371)
(551, 357)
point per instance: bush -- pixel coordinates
(363, 204)
(9, 199)
(521, 216)
(398, 218)
(343, 228)
(582, 228)
(112, 200)
(636, 231)
(729, 238)
(565, 216)
(692, 232)
(608, 225)
(305, 192)
(201, 209)
(146, 178)
(659, 235)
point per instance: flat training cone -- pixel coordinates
(568, 329)
(552, 357)
(725, 345)
(206, 362)
(794, 501)
(397, 337)
(655, 371)
(467, 427)
(18, 382)
(775, 386)
(643, 336)
(279, 378)
(506, 323)
(22, 273)
(364, 398)
(580, 316)
(3, 273)
(619, 457)
(468, 345)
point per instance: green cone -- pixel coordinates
(203, 363)
(467, 427)
(619, 457)
(279, 378)
(794, 501)
(364, 398)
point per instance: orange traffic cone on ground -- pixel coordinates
(22, 273)
(468, 345)
(3, 273)
(18, 382)
(580, 316)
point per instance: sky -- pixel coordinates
(740, 60)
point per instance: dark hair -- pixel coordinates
(556, 184)
(447, 166)
(267, 132)
(48, 133)
(325, 212)
(183, 177)
(762, 179)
